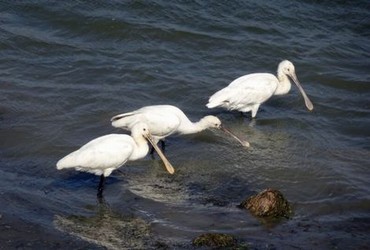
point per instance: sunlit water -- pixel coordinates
(67, 68)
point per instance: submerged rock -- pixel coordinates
(268, 203)
(214, 240)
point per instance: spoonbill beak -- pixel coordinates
(244, 143)
(167, 164)
(307, 101)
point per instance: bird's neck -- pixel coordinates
(194, 127)
(284, 85)
(141, 148)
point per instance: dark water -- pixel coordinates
(67, 67)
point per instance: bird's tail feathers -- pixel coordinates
(66, 162)
(211, 105)
(218, 99)
(120, 116)
(124, 121)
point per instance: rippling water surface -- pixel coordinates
(67, 67)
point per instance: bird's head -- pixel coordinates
(214, 122)
(211, 121)
(287, 68)
(142, 129)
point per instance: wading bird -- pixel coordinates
(106, 153)
(248, 92)
(165, 120)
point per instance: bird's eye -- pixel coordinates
(144, 129)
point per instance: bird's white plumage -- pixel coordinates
(163, 120)
(248, 92)
(107, 153)
(101, 155)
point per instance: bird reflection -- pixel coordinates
(107, 228)
(102, 202)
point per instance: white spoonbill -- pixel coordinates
(165, 120)
(106, 153)
(248, 92)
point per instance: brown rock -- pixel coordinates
(214, 240)
(268, 203)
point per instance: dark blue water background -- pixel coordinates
(66, 67)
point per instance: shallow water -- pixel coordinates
(66, 68)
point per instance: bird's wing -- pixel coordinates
(161, 122)
(109, 151)
(246, 90)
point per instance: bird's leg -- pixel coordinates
(254, 110)
(101, 186)
(252, 123)
(163, 145)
